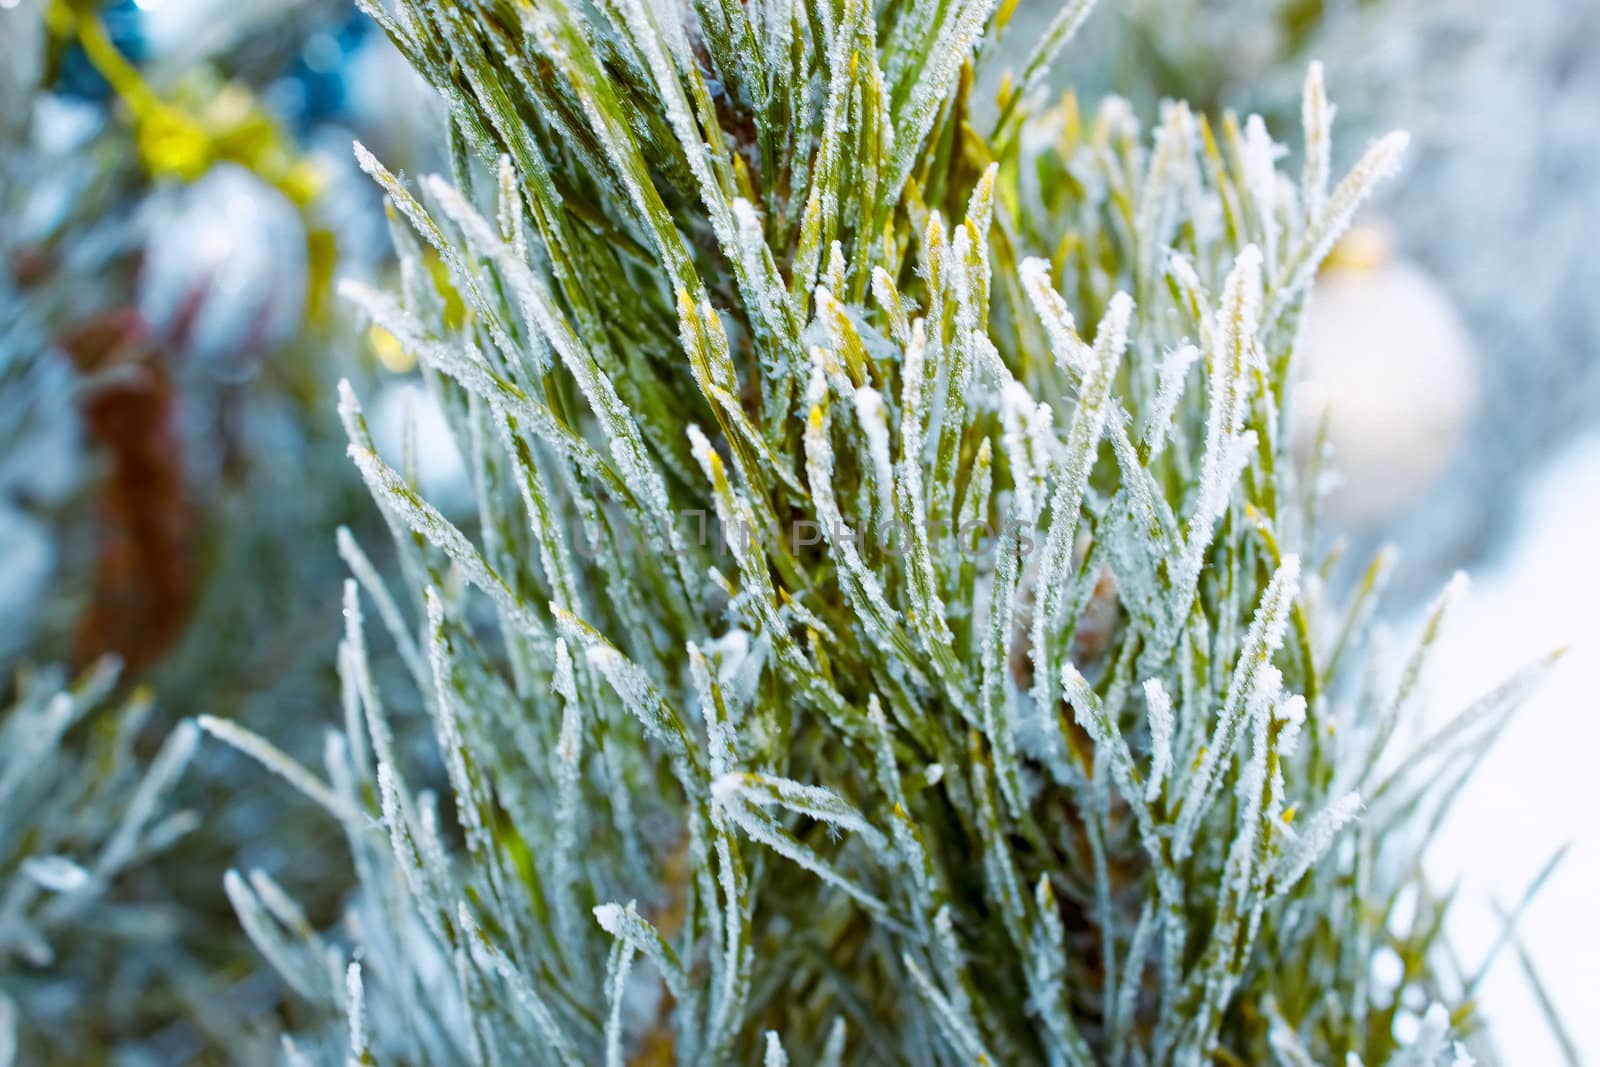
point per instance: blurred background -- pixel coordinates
(177, 195)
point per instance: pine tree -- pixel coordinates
(80, 808)
(144, 490)
(891, 631)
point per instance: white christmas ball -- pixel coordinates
(225, 270)
(1385, 358)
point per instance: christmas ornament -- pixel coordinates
(1385, 361)
(144, 574)
(224, 279)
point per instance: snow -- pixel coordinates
(1536, 789)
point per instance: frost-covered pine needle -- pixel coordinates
(935, 683)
